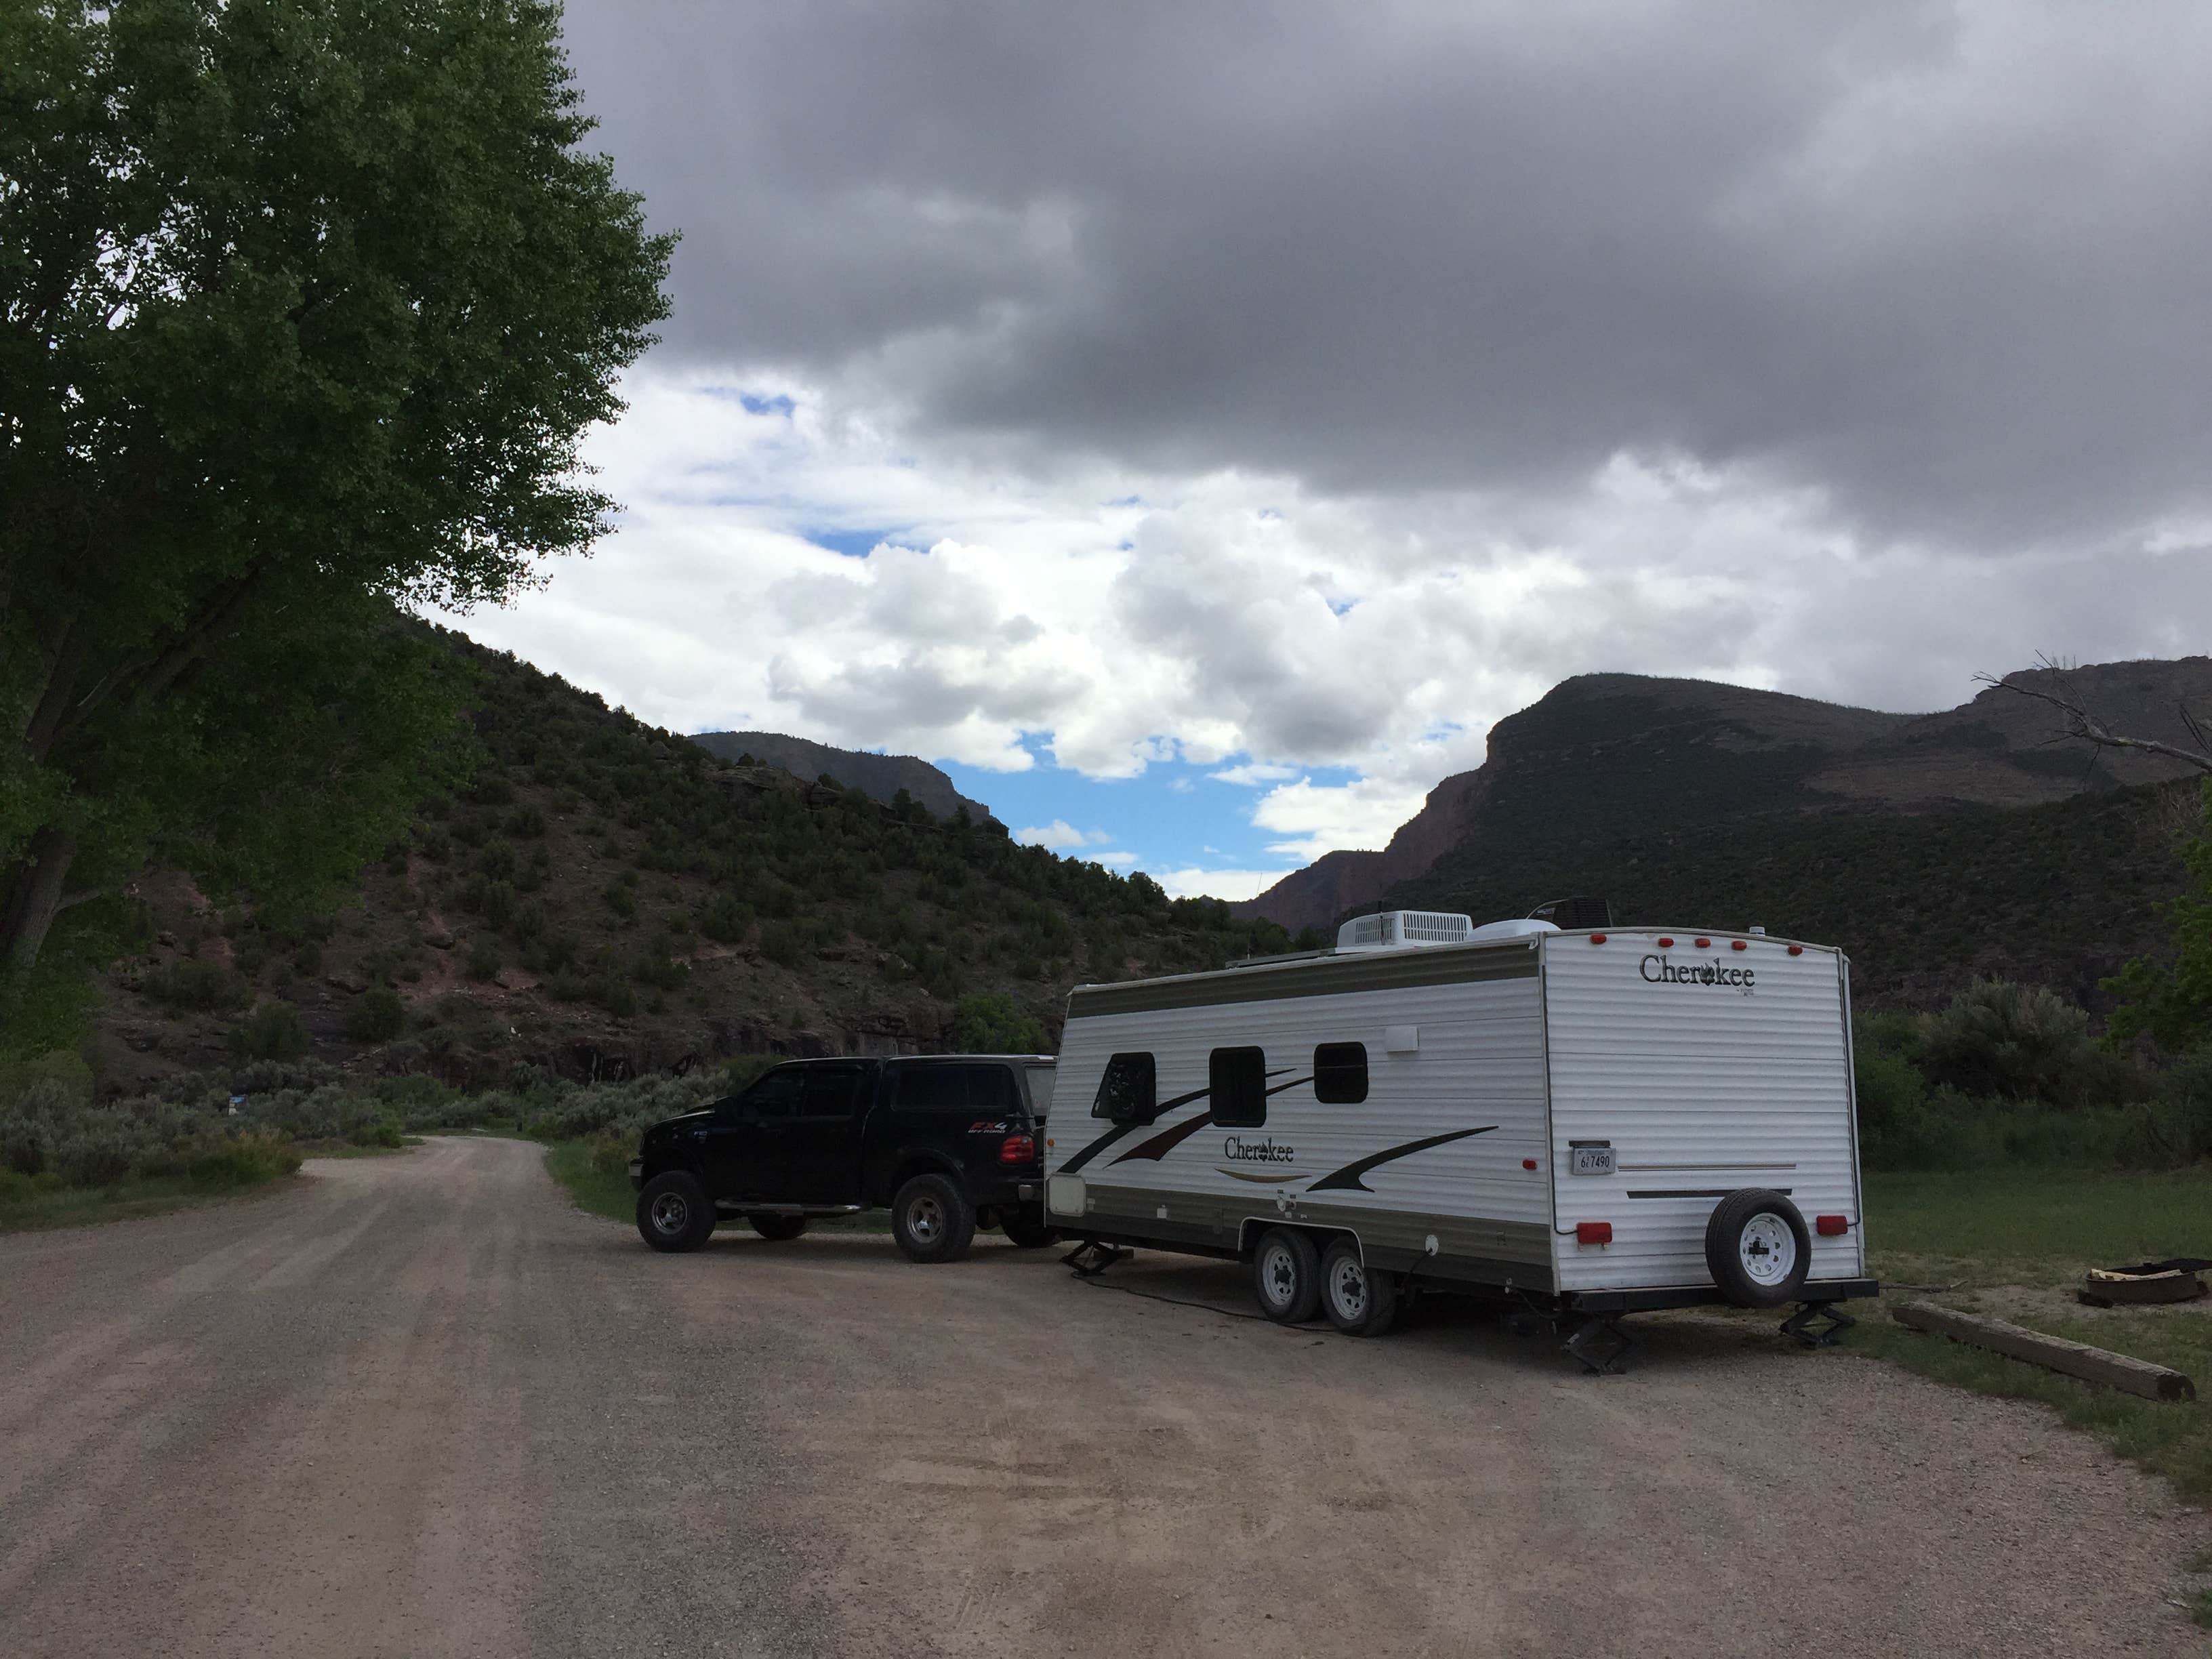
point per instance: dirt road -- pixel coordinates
(419, 1407)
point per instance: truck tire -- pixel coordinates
(932, 1219)
(1026, 1227)
(777, 1227)
(1286, 1276)
(1359, 1300)
(673, 1213)
(1757, 1248)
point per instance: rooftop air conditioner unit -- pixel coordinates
(1393, 930)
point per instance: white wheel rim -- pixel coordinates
(1279, 1274)
(1347, 1288)
(1767, 1247)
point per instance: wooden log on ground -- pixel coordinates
(2099, 1366)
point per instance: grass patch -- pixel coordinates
(27, 1207)
(2004, 1226)
(341, 1148)
(590, 1185)
(1987, 1230)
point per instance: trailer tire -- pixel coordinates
(1757, 1248)
(673, 1213)
(1286, 1276)
(1359, 1300)
(932, 1219)
(778, 1228)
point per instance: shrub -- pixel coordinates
(780, 942)
(620, 899)
(205, 987)
(526, 821)
(2017, 1041)
(485, 958)
(377, 1016)
(381, 1132)
(274, 1031)
(726, 919)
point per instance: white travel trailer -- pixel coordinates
(1586, 1123)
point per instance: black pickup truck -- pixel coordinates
(949, 1143)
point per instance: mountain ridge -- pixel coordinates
(880, 777)
(1599, 749)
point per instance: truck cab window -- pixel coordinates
(1236, 1080)
(828, 1092)
(776, 1096)
(1129, 1092)
(1340, 1073)
(993, 1089)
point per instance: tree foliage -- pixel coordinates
(305, 306)
(988, 1023)
(2171, 1002)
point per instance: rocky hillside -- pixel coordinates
(609, 898)
(1685, 801)
(879, 777)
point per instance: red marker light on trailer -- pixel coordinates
(1593, 1232)
(1527, 1163)
(1703, 944)
(1832, 1226)
(1738, 945)
(1597, 938)
(1666, 943)
(1796, 950)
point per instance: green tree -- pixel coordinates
(988, 1023)
(2171, 1002)
(305, 306)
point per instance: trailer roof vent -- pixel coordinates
(1393, 930)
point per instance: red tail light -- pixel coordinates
(1832, 1226)
(1593, 1232)
(1017, 1149)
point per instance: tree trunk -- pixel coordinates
(35, 898)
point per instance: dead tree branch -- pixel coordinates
(2079, 722)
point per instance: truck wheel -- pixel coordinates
(1026, 1228)
(1286, 1276)
(1359, 1300)
(931, 1219)
(673, 1213)
(777, 1227)
(1757, 1248)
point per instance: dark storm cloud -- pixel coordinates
(1949, 263)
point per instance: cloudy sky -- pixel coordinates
(1195, 424)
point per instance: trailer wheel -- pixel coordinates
(1757, 1248)
(777, 1227)
(673, 1213)
(1359, 1300)
(1286, 1276)
(932, 1219)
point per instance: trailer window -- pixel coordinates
(1130, 1091)
(1237, 1078)
(1340, 1073)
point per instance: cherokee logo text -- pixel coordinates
(1660, 972)
(1256, 1151)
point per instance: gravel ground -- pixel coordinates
(418, 1407)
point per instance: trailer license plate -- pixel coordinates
(1593, 1160)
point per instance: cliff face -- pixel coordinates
(880, 776)
(1605, 755)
